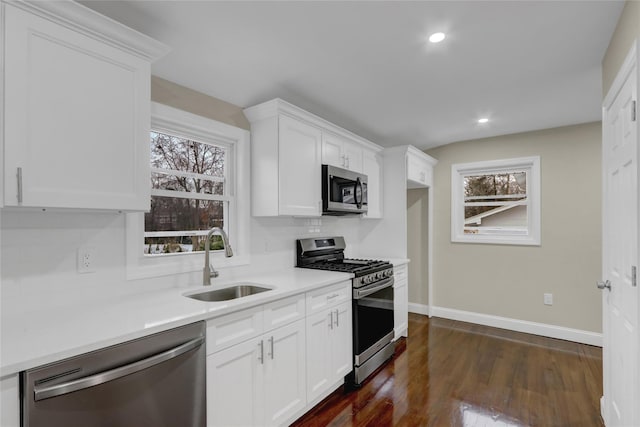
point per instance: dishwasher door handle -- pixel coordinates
(46, 392)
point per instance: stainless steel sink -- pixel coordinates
(232, 292)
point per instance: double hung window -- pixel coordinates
(198, 179)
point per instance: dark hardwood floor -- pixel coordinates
(449, 373)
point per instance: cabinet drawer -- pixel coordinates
(329, 296)
(284, 311)
(233, 328)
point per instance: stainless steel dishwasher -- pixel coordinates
(158, 380)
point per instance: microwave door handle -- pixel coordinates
(361, 293)
(355, 196)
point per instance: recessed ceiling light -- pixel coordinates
(436, 37)
(483, 120)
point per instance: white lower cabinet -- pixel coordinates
(267, 365)
(400, 301)
(9, 401)
(258, 382)
(329, 349)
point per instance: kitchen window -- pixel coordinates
(496, 202)
(198, 180)
(189, 194)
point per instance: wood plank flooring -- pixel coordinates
(450, 373)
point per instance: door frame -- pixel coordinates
(631, 60)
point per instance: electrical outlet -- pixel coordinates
(86, 259)
(548, 299)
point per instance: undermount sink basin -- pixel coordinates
(232, 292)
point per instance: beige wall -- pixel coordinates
(509, 281)
(417, 247)
(627, 30)
(174, 95)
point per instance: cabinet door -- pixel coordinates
(400, 309)
(353, 156)
(285, 392)
(372, 167)
(76, 119)
(300, 170)
(341, 342)
(235, 385)
(319, 365)
(332, 151)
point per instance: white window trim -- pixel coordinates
(459, 170)
(236, 141)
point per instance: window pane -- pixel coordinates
(193, 217)
(162, 181)
(495, 203)
(511, 183)
(175, 153)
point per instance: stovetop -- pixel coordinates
(358, 267)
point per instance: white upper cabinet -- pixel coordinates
(288, 148)
(299, 168)
(340, 152)
(76, 116)
(419, 168)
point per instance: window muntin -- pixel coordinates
(188, 194)
(496, 202)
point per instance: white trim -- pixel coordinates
(236, 141)
(529, 164)
(542, 329)
(418, 308)
(84, 20)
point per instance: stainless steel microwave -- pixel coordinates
(344, 192)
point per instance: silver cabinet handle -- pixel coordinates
(271, 339)
(337, 318)
(330, 297)
(603, 285)
(46, 392)
(261, 357)
(19, 176)
(331, 320)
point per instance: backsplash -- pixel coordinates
(39, 254)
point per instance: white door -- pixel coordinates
(285, 379)
(235, 385)
(620, 251)
(299, 168)
(342, 341)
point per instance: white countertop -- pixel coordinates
(47, 336)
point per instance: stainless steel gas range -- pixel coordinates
(372, 300)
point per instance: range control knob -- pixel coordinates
(363, 281)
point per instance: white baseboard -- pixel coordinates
(418, 308)
(543, 329)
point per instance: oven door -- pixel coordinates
(372, 319)
(343, 191)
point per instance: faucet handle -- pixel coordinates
(214, 273)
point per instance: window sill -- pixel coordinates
(498, 240)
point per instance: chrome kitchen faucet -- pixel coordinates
(208, 272)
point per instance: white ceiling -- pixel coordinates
(365, 65)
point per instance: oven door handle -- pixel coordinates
(363, 292)
(46, 392)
